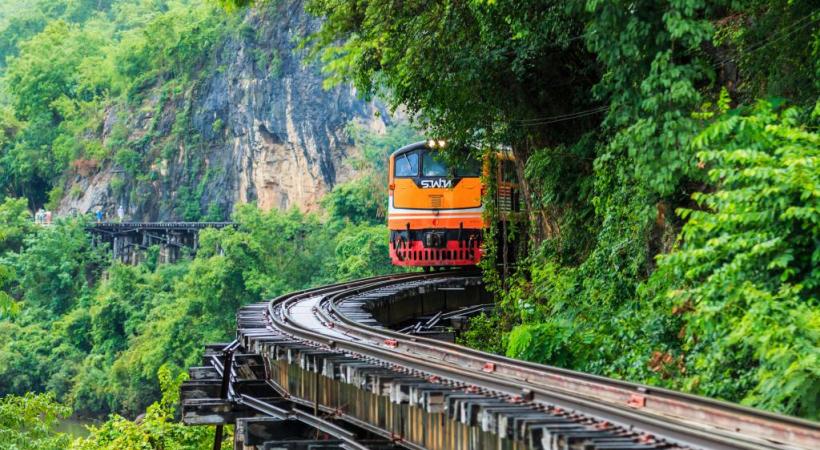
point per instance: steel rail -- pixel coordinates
(592, 395)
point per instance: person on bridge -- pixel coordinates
(120, 213)
(99, 215)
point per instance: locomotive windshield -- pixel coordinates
(433, 167)
(429, 164)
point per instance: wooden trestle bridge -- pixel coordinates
(353, 366)
(128, 241)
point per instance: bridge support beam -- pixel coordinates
(129, 241)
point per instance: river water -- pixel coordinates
(74, 426)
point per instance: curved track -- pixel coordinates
(320, 318)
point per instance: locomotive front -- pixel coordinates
(435, 211)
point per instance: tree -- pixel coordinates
(18, 27)
(364, 199)
(600, 102)
(25, 357)
(44, 82)
(361, 251)
(47, 70)
(15, 223)
(56, 265)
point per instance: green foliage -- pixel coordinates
(188, 204)
(604, 105)
(27, 423)
(275, 64)
(113, 326)
(47, 70)
(55, 195)
(356, 201)
(432, 59)
(129, 160)
(217, 125)
(18, 26)
(777, 53)
(746, 273)
(158, 428)
(117, 185)
(8, 306)
(45, 85)
(50, 273)
(24, 356)
(15, 224)
(361, 251)
(55, 266)
(215, 213)
(112, 337)
(562, 179)
(485, 332)
(731, 313)
(121, 309)
(545, 341)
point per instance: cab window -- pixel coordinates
(433, 167)
(407, 164)
(471, 167)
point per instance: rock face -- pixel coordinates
(258, 125)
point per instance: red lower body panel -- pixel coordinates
(414, 253)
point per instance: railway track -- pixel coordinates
(320, 358)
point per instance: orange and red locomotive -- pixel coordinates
(435, 210)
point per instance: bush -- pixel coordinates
(746, 274)
(159, 427)
(550, 341)
(485, 332)
(129, 160)
(27, 423)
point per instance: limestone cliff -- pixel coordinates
(256, 126)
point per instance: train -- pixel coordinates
(436, 213)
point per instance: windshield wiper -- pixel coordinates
(409, 164)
